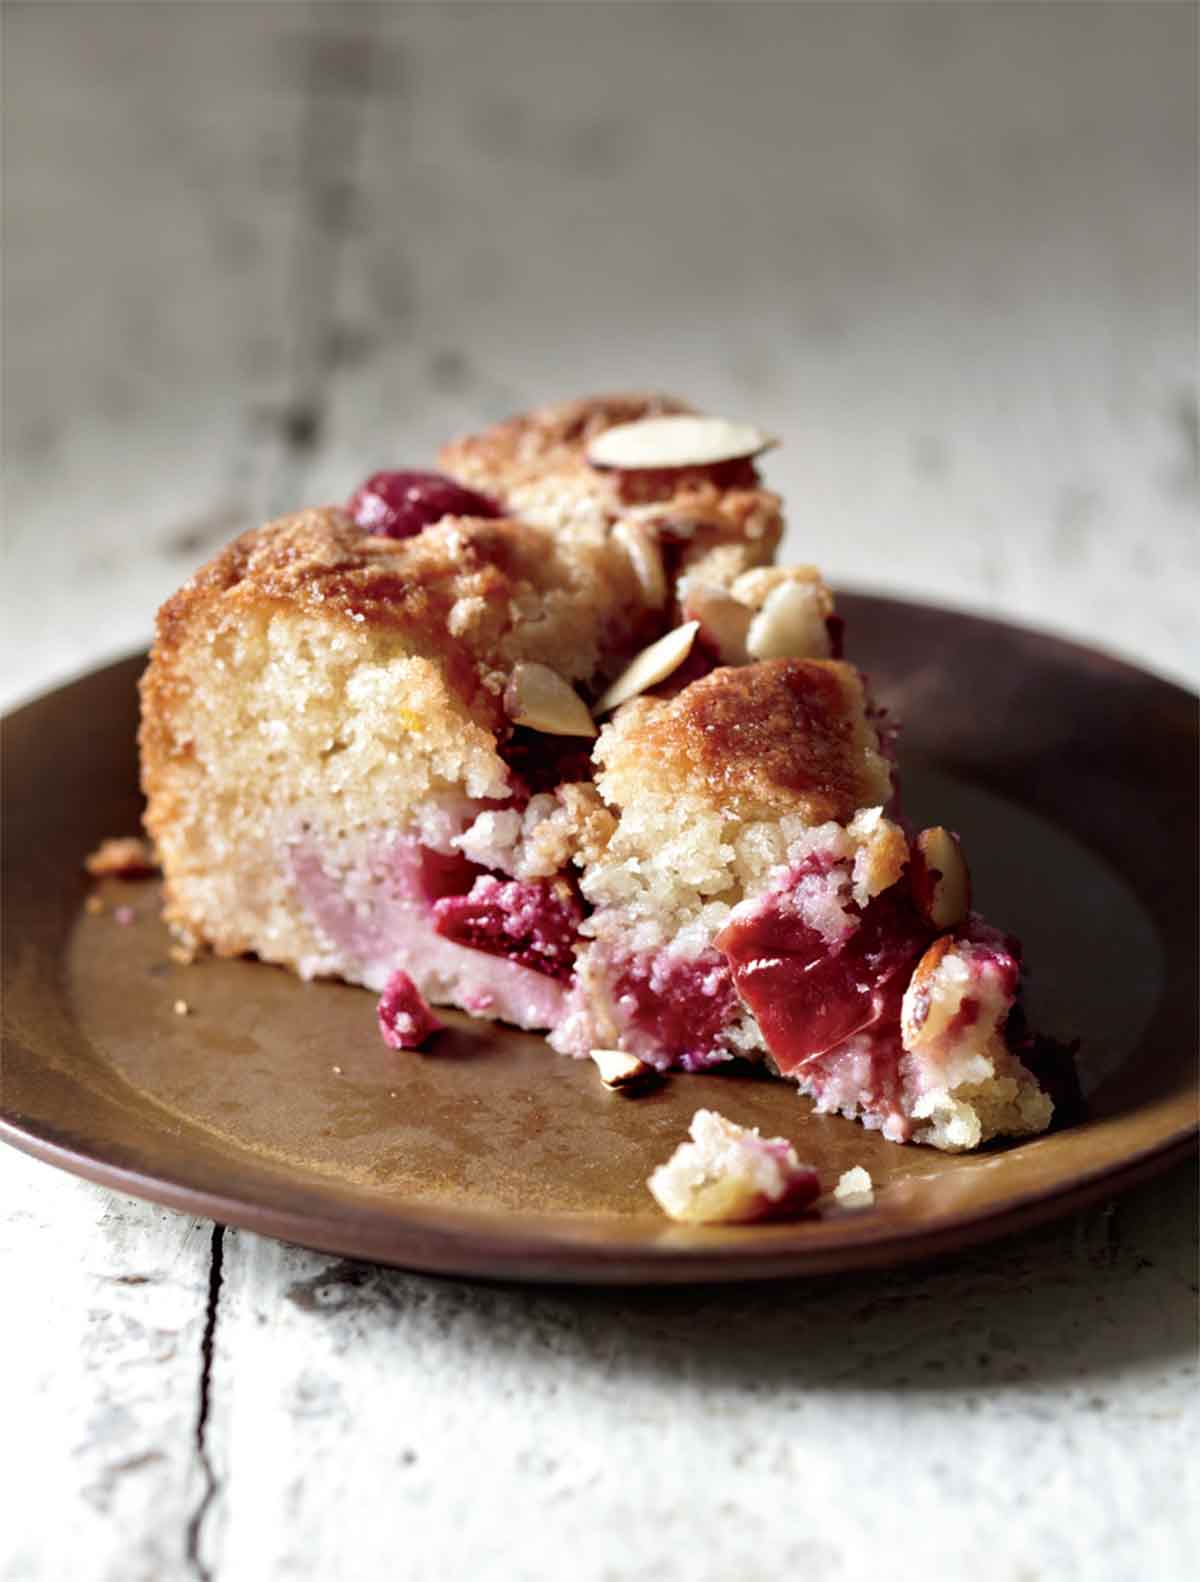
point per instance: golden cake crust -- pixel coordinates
(552, 438)
(759, 741)
(476, 595)
(715, 521)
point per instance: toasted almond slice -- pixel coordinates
(659, 442)
(922, 1014)
(640, 543)
(940, 881)
(790, 625)
(724, 620)
(652, 665)
(620, 1071)
(539, 697)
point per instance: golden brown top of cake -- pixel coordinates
(717, 518)
(551, 438)
(759, 741)
(578, 586)
(476, 595)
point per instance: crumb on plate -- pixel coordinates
(728, 1174)
(122, 857)
(855, 1186)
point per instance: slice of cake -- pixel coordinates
(545, 737)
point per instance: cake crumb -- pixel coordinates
(623, 1073)
(855, 1186)
(181, 955)
(122, 857)
(337, 1071)
(181, 1008)
(94, 905)
(728, 1174)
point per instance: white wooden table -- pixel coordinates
(256, 251)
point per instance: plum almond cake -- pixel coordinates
(548, 737)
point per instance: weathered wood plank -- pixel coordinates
(1004, 1414)
(105, 1305)
(319, 240)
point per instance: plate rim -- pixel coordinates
(448, 1246)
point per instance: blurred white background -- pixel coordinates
(948, 251)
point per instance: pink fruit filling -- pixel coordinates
(404, 1018)
(400, 504)
(673, 1010)
(376, 915)
(803, 1183)
(534, 923)
(809, 991)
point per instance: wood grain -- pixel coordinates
(103, 1358)
(1006, 1410)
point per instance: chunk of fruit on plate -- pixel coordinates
(405, 1020)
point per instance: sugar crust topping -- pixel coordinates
(782, 736)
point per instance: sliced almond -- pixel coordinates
(923, 1014)
(622, 1072)
(640, 543)
(653, 443)
(940, 880)
(724, 620)
(652, 665)
(791, 624)
(539, 697)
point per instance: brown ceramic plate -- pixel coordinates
(274, 1104)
